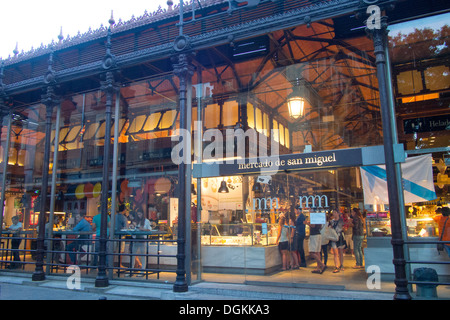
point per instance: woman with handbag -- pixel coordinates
(283, 240)
(337, 247)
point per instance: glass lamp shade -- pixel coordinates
(223, 187)
(296, 106)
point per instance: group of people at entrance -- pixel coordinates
(348, 233)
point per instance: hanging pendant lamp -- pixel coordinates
(223, 187)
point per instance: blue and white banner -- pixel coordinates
(417, 179)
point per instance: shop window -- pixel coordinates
(168, 119)
(12, 156)
(276, 133)
(281, 130)
(258, 120)
(212, 116)
(250, 115)
(266, 122)
(63, 133)
(101, 131)
(91, 130)
(437, 78)
(73, 134)
(137, 124)
(281, 133)
(230, 113)
(152, 122)
(409, 82)
(421, 97)
(287, 139)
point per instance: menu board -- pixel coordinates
(317, 218)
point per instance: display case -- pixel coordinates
(378, 226)
(422, 227)
(242, 234)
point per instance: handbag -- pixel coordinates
(440, 246)
(341, 241)
(331, 234)
(323, 237)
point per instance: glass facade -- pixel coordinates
(239, 109)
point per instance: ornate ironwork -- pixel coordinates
(184, 70)
(379, 36)
(50, 100)
(110, 87)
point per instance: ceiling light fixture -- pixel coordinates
(296, 100)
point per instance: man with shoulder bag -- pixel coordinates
(444, 228)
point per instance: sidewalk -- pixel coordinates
(55, 288)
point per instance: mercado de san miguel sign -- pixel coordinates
(352, 157)
(300, 161)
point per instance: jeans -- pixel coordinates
(301, 250)
(357, 243)
(73, 248)
(325, 253)
(15, 244)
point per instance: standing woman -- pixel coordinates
(358, 236)
(283, 240)
(337, 223)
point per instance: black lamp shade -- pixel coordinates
(223, 187)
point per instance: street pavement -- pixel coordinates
(19, 286)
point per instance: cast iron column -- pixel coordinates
(4, 112)
(50, 100)
(379, 36)
(109, 86)
(183, 70)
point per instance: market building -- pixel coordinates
(215, 117)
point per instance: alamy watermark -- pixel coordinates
(73, 282)
(374, 20)
(374, 277)
(228, 147)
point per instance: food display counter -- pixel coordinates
(247, 234)
(379, 248)
(378, 227)
(240, 248)
(422, 227)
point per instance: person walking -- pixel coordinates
(300, 230)
(315, 244)
(348, 233)
(337, 247)
(358, 237)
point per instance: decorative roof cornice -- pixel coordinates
(314, 12)
(121, 26)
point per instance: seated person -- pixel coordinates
(82, 225)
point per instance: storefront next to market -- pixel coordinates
(246, 84)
